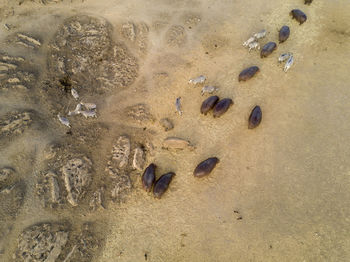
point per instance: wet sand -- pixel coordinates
(280, 191)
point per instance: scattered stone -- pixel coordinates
(77, 177)
(166, 124)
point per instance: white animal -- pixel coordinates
(63, 120)
(88, 113)
(74, 93)
(89, 106)
(209, 89)
(76, 110)
(289, 63)
(261, 34)
(249, 41)
(198, 80)
(284, 57)
(178, 105)
(254, 45)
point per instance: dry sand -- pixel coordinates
(280, 191)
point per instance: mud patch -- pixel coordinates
(139, 113)
(176, 36)
(77, 176)
(11, 198)
(41, 242)
(51, 241)
(126, 162)
(83, 50)
(66, 176)
(13, 73)
(136, 33)
(15, 123)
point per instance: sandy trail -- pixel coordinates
(280, 191)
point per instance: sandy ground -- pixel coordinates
(280, 191)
